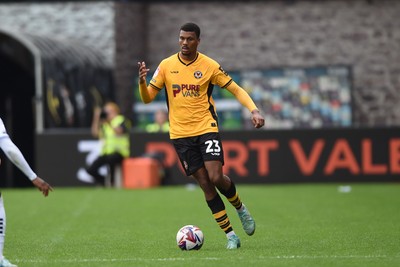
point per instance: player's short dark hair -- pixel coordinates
(191, 27)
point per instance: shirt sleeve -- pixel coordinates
(158, 79)
(14, 154)
(242, 96)
(3, 131)
(221, 77)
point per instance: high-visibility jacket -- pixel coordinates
(113, 143)
(155, 127)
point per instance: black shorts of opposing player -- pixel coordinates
(194, 151)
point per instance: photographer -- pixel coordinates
(112, 129)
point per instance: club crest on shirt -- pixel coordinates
(197, 74)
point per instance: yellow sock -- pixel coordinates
(235, 201)
(223, 221)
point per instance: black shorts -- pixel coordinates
(194, 151)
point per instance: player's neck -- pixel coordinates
(188, 58)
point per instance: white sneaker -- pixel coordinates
(248, 222)
(6, 263)
(233, 242)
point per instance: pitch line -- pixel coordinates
(329, 256)
(283, 257)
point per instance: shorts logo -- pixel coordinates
(185, 165)
(198, 74)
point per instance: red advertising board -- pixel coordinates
(259, 156)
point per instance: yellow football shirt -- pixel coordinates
(188, 88)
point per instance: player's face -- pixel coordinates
(188, 42)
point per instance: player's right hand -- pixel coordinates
(142, 71)
(42, 185)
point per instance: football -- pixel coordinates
(190, 237)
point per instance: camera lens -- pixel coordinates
(103, 114)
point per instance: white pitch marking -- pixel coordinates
(283, 257)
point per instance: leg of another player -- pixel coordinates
(2, 227)
(217, 207)
(3, 261)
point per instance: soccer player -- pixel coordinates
(188, 78)
(16, 157)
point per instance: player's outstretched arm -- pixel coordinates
(16, 157)
(42, 185)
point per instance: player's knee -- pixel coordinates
(216, 178)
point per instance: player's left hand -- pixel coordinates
(42, 185)
(257, 119)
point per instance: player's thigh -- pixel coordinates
(189, 154)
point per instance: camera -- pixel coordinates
(103, 115)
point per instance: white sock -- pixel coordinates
(2, 227)
(231, 233)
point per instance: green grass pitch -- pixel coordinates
(297, 225)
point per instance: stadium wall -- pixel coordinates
(364, 35)
(251, 157)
